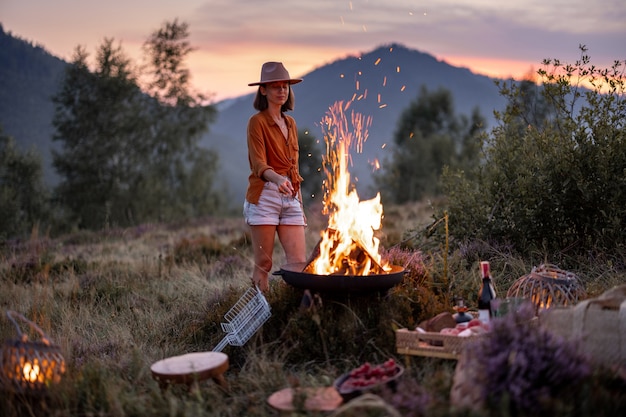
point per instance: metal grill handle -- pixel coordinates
(24, 337)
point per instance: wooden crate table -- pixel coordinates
(435, 345)
(190, 368)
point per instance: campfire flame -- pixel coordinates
(348, 245)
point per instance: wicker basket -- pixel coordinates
(466, 388)
(436, 345)
(599, 324)
(30, 366)
(548, 286)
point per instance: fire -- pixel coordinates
(31, 371)
(348, 245)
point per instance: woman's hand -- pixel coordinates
(285, 187)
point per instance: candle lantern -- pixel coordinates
(548, 286)
(30, 366)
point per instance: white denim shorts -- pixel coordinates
(273, 209)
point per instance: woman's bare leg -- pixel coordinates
(263, 249)
(293, 242)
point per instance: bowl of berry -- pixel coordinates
(367, 377)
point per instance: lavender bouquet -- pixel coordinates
(521, 366)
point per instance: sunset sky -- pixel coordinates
(234, 37)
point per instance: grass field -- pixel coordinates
(116, 301)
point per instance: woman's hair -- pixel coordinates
(260, 101)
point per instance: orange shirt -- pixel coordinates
(267, 148)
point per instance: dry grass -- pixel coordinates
(119, 300)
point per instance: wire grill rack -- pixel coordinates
(243, 320)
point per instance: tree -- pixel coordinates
(429, 136)
(96, 116)
(128, 156)
(556, 182)
(23, 195)
(168, 79)
(180, 120)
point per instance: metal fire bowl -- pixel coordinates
(293, 275)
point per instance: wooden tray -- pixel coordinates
(316, 399)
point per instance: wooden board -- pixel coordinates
(315, 399)
(190, 367)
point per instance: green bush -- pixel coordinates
(553, 178)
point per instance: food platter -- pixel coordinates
(368, 377)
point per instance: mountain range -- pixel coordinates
(380, 84)
(29, 77)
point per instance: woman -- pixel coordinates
(273, 202)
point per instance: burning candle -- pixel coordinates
(31, 371)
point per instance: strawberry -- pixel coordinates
(474, 322)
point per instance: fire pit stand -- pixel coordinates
(293, 275)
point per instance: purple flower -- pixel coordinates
(522, 363)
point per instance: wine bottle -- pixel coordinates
(486, 294)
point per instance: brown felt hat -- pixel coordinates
(275, 71)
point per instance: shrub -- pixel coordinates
(200, 249)
(553, 176)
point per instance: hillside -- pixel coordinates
(381, 82)
(29, 77)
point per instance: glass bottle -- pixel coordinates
(486, 294)
(461, 316)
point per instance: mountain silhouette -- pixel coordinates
(379, 84)
(29, 77)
